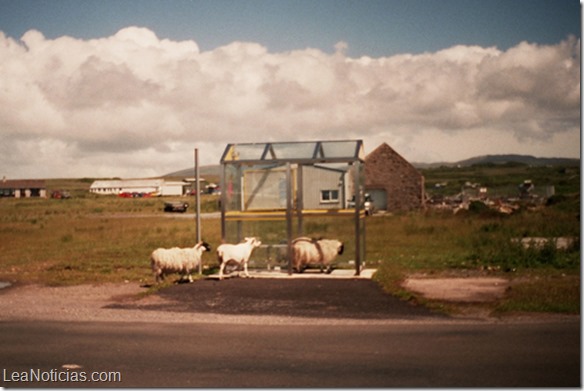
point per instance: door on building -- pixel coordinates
(379, 198)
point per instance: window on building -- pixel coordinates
(329, 196)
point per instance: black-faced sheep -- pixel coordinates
(308, 251)
(238, 253)
(177, 260)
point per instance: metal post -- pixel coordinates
(239, 192)
(198, 195)
(357, 190)
(364, 247)
(300, 199)
(289, 214)
(223, 199)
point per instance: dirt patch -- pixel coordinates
(461, 290)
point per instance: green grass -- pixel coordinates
(76, 241)
(556, 293)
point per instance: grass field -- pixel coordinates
(92, 239)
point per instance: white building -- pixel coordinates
(173, 188)
(153, 187)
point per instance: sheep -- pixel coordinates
(177, 260)
(238, 253)
(315, 251)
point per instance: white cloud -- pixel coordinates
(134, 105)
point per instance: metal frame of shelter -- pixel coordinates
(292, 155)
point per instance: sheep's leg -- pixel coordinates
(297, 263)
(221, 267)
(188, 274)
(245, 269)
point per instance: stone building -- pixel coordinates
(392, 182)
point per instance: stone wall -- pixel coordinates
(404, 185)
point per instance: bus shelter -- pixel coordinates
(292, 181)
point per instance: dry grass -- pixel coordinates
(78, 241)
(84, 240)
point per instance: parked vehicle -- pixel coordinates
(60, 195)
(176, 206)
(367, 204)
(134, 195)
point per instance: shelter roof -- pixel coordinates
(304, 152)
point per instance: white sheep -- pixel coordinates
(177, 260)
(238, 253)
(315, 251)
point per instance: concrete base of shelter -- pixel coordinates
(335, 274)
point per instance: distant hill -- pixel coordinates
(504, 159)
(215, 169)
(210, 171)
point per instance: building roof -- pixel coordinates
(126, 183)
(305, 152)
(22, 184)
(385, 149)
(175, 183)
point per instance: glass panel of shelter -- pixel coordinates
(293, 151)
(299, 150)
(242, 161)
(339, 149)
(247, 151)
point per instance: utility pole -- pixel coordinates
(198, 202)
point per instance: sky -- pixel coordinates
(129, 88)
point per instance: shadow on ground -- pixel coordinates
(314, 298)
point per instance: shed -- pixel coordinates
(23, 188)
(393, 183)
(173, 188)
(106, 187)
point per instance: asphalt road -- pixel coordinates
(307, 298)
(319, 333)
(398, 354)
